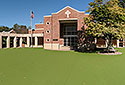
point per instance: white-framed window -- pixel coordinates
(47, 31)
(47, 22)
(47, 40)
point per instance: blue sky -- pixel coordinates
(18, 11)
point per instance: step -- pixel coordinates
(65, 48)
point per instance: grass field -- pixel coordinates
(36, 66)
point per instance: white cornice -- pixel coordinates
(69, 19)
(70, 8)
(47, 16)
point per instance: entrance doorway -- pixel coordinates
(68, 31)
(70, 41)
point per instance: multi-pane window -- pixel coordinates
(120, 43)
(68, 31)
(70, 41)
(71, 30)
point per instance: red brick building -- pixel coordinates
(60, 29)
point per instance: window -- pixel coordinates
(70, 41)
(47, 31)
(47, 40)
(55, 39)
(47, 22)
(120, 43)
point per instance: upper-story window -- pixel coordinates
(47, 22)
(55, 39)
(47, 31)
(47, 40)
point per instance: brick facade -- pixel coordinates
(51, 27)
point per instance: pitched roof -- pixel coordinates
(66, 8)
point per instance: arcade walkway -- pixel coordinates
(14, 40)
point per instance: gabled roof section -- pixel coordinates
(66, 8)
(12, 31)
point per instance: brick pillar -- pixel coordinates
(0, 41)
(28, 42)
(14, 42)
(21, 41)
(8, 42)
(36, 41)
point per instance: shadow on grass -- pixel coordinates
(97, 50)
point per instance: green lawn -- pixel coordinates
(36, 66)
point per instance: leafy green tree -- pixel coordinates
(106, 20)
(85, 43)
(122, 3)
(4, 28)
(20, 29)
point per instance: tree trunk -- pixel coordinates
(110, 44)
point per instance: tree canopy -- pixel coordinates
(106, 20)
(4, 28)
(20, 29)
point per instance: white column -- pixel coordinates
(36, 41)
(8, 42)
(21, 41)
(95, 40)
(123, 42)
(28, 42)
(14, 42)
(106, 43)
(0, 41)
(117, 43)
